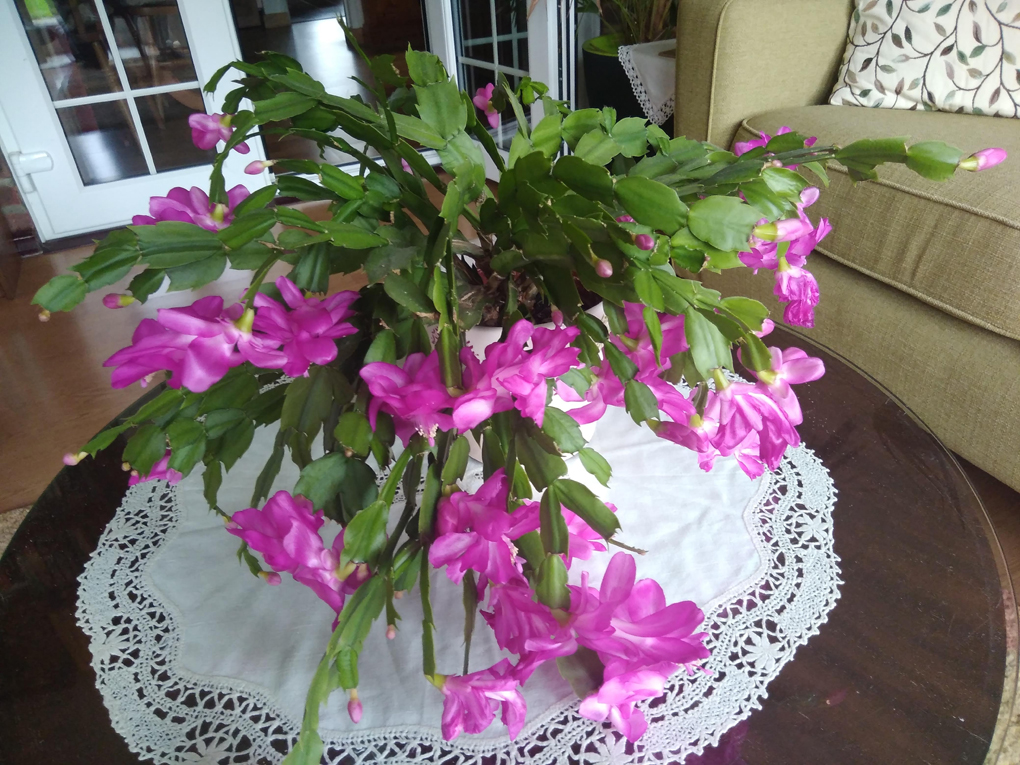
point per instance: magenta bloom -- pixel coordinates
(984, 159)
(790, 367)
(286, 532)
(615, 700)
(742, 147)
(605, 391)
(192, 207)
(744, 408)
(209, 129)
(526, 627)
(160, 472)
(476, 532)
(414, 395)
(511, 376)
(306, 332)
(797, 287)
(483, 100)
(471, 701)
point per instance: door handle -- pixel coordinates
(23, 164)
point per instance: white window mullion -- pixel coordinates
(117, 96)
(118, 64)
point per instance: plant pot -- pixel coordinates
(479, 338)
(606, 82)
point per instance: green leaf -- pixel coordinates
(624, 368)
(303, 189)
(648, 289)
(631, 134)
(596, 465)
(197, 274)
(365, 535)
(579, 123)
(785, 182)
(651, 203)
(212, 480)
(723, 222)
(546, 135)
(933, 160)
(173, 243)
(654, 325)
(543, 468)
(264, 482)
(588, 180)
(235, 442)
(456, 461)
(145, 448)
(359, 489)
(282, 106)
(597, 148)
(345, 185)
(640, 401)
(61, 293)
(321, 479)
(414, 129)
(187, 444)
(312, 270)
(266, 407)
(307, 402)
(874, 151)
(551, 583)
(383, 348)
(592, 510)
(429, 498)
(441, 107)
(563, 429)
(424, 68)
(351, 236)
(111, 261)
(255, 201)
(247, 228)
(408, 294)
(147, 282)
(552, 528)
(219, 421)
(354, 432)
(583, 669)
(709, 348)
(750, 312)
(758, 356)
(300, 82)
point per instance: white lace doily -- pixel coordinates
(181, 686)
(652, 76)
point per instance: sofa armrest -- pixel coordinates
(738, 58)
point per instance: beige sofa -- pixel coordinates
(920, 281)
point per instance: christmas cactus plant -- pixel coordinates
(588, 208)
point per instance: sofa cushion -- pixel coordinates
(954, 245)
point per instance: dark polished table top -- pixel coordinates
(911, 666)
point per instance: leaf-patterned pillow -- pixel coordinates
(942, 55)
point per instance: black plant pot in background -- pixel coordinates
(606, 82)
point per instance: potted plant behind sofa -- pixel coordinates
(628, 22)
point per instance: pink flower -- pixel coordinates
(192, 207)
(483, 100)
(984, 159)
(414, 395)
(286, 532)
(605, 391)
(510, 376)
(641, 351)
(744, 408)
(615, 700)
(306, 332)
(209, 129)
(160, 472)
(790, 367)
(475, 531)
(471, 701)
(797, 287)
(525, 627)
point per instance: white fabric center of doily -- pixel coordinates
(233, 626)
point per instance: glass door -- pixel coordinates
(95, 101)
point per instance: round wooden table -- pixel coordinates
(911, 666)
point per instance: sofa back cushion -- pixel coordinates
(954, 245)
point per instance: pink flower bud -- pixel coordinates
(407, 167)
(398, 594)
(603, 268)
(984, 159)
(783, 230)
(116, 300)
(354, 708)
(644, 241)
(74, 459)
(625, 219)
(391, 632)
(255, 167)
(44, 315)
(766, 327)
(271, 577)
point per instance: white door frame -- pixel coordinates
(29, 123)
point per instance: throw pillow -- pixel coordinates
(944, 55)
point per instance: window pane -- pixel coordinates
(151, 41)
(70, 47)
(165, 119)
(475, 30)
(103, 141)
